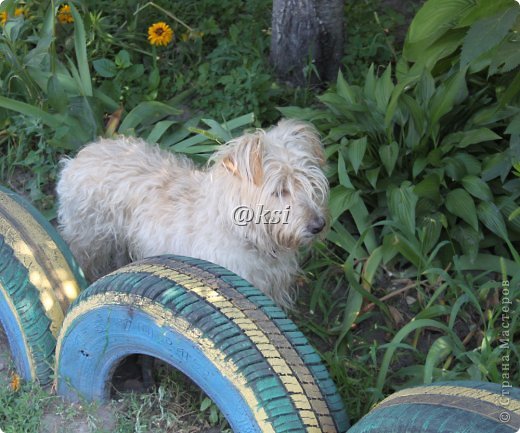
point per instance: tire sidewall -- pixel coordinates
(16, 338)
(88, 360)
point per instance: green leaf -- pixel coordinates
(401, 203)
(429, 233)
(361, 217)
(56, 95)
(306, 113)
(213, 415)
(340, 200)
(419, 119)
(419, 165)
(239, 122)
(356, 151)
(486, 34)
(352, 305)
(410, 249)
(468, 239)
(105, 68)
(218, 130)
(470, 163)
(505, 58)
(372, 176)
(372, 266)
(384, 89)
(451, 92)
(342, 172)
(154, 79)
(231, 125)
(145, 113)
(80, 47)
(159, 130)
(400, 336)
(432, 21)
(514, 125)
(496, 165)
(339, 236)
(369, 88)
(414, 74)
(491, 217)
(29, 110)
(477, 136)
(445, 46)
(206, 403)
(460, 203)
(488, 262)
(344, 89)
(484, 9)
(425, 88)
(429, 187)
(40, 54)
(389, 154)
(133, 72)
(477, 187)
(510, 210)
(13, 27)
(454, 168)
(122, 59)
(439, 350)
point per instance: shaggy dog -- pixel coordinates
(263, 197)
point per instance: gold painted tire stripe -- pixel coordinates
(48, 270)
(480, 401)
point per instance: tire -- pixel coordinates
(449, 407)
(202, 319)
(38, 281)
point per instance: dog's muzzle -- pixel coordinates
(316, 225)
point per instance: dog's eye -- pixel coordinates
(281, 193)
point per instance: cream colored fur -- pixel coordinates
(123, 199)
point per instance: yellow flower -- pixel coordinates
(19, 11)
(15, 382)
(160, 34)
(3, 17)
(64, 15)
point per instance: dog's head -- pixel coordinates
(278, 175)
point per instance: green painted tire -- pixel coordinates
(448, 407)
(38, 281)
(202, 319)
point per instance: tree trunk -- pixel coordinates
(307, 33)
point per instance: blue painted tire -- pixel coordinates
(448, 407)
(213, 326)
(38, 281)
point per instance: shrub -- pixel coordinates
(421, 163)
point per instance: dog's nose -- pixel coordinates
(316, 225)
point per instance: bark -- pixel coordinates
(307, 32)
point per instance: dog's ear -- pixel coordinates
(246, 158)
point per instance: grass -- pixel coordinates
(425, 332)
(171, 408)
(176, 405)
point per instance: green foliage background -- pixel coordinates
(422, 140)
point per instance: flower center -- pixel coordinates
(159, 32)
